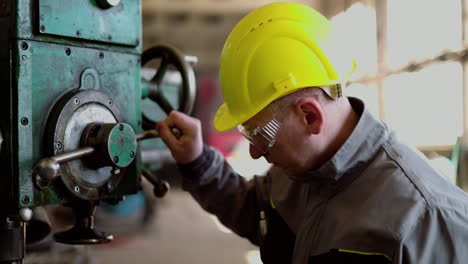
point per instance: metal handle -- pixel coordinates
(47, 169)
(153, 133)
(161, 187)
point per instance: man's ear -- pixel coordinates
(312, 114)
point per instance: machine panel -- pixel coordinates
(46, 72)
(92, 20)
(75, 109)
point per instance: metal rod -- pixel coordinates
(83, 152)
(153, 133)
(76, 154)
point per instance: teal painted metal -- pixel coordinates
(45, 72)
(37, 68)
(22, 15)
(122, 145)
(87, 20)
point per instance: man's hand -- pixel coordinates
(189, 145)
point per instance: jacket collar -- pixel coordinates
(365, 140)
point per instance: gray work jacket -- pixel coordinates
(375, 196)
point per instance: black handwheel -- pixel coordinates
(169, 57)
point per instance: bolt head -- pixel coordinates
(26, 200)
(58, 145)
(24, 121)
(24, 45)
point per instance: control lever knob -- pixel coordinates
(161, 187)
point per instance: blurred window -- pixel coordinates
(356, 38)
(424, 107)
(419, 29)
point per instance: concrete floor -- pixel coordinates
(181, 233)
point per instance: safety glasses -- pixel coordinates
(262, 137)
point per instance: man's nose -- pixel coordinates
(255, 153)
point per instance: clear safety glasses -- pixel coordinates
(262, 137)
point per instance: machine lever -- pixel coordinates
(161, 187)
(153, 133)
(47, 169)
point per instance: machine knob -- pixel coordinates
(48, 169)
(161, 187)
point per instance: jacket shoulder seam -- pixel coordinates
(408, 172)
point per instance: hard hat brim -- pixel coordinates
(224, 120)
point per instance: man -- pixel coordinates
(342, 188)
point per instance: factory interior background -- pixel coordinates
(411, 73)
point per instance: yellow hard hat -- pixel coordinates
(273, 51)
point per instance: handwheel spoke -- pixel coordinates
(153, 89)
(159, 98)
(162, 70)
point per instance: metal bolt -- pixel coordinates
(42, 28)
(115, 171)
(110, 102)
(76, 100)
(101, 55)
(24, 45)
(25, 199)
(24, 57)
(109, 37)
(121, 127)
(68, 51)
(110, 186)
(116, 159)
(77, 189)
(132, 154)
(78, 33)
(58, 145)
(24, 121)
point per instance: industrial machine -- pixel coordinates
(71, 110)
